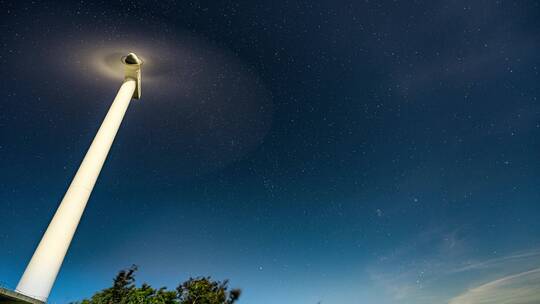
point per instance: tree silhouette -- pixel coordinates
(201, 290)
(206, 291)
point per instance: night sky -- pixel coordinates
(312, 151)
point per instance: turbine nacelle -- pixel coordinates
(132, 69)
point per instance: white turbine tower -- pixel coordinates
(41, 272)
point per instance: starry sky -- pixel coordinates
(309, 151)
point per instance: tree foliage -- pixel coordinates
(201, 290)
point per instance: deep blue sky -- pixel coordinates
(342, 152)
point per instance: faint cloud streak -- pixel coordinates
(521, 288)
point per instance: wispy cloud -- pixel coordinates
(497, 262)
(433, 269)
(521, 288)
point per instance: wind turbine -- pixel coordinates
(41, 272)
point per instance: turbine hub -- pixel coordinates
(131, 58)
